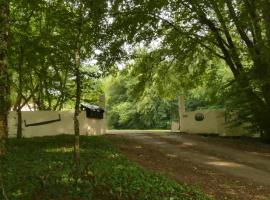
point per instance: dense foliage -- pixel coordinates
(52, 54)
(129, 109)
(133, 102)
(184, 41)
(42, 53)
(41, 168)
(189, 35)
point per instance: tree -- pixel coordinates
(192, 33)
(4, 77)
(86, 19)
(42, 54)
(45, 56)
(129, 109)
(18, 43)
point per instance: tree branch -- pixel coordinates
(238, 25)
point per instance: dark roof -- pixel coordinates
(91, 107)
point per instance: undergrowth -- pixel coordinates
(42, 169)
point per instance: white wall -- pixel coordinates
(213, 122)
(88, 126)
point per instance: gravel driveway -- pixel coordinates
(220, 169)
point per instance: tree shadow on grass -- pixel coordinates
(45, 165)
(42, 168)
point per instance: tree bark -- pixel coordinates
(77, 109)
(19, 106)
(4, 87)
(78, 87)
(260, 104)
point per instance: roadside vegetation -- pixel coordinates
(42, 168)
(55, 54)
(136, 104)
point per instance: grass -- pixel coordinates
(42, 168)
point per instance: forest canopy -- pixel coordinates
(53, 54)
(191, 35)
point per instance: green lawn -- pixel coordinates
(42, 168)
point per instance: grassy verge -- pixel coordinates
(42, 168)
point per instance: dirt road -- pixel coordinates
(220, 169)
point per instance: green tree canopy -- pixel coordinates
(126, 109)
(192, 33)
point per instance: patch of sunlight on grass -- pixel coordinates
(114, 155)
(17, 194)
(65, 179)
(59, 150)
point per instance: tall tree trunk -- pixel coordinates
(19, 106)
(4, 87)
(19, 121)
(259, 104)
(78, 89)
(77, 108)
